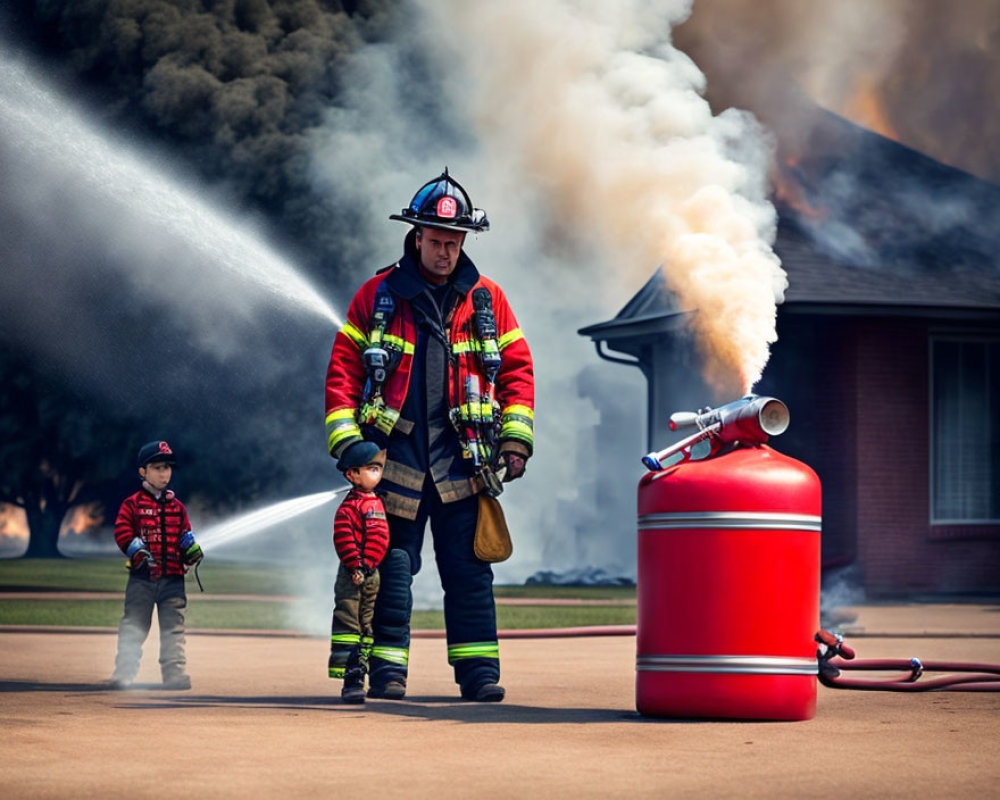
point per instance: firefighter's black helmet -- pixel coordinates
(443, 203)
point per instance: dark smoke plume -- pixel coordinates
(923, 72)
(235, 83)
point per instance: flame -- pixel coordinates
(82, 519)
(13, 522)
(790, 192)
(867, 107)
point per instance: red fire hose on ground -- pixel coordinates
(835, 656)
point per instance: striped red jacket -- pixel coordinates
(360, 531)
(160, 523)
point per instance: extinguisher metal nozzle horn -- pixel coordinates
(749, 420)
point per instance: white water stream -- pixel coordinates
(238, 528)
(138, 212)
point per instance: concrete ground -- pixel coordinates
(263, 720)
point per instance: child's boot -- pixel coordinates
(176, 680)
(354, 686)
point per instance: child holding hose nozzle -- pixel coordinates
(360, 537)
(153, 530)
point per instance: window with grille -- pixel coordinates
(965, 430)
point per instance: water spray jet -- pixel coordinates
(253, 522)
(60, 148)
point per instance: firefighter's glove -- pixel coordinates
(191, 550)
(515, 467)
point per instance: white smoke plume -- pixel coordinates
(592, 107)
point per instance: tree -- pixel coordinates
(56, 449)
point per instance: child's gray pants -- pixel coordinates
(170, 599)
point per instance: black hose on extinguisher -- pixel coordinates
(835, 656)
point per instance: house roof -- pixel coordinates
(877, 228)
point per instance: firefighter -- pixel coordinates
(432, 366)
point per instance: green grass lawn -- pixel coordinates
(106, 613)
(276, 615)
(109, 575)
(228, 578)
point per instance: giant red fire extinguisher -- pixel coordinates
(728, 572)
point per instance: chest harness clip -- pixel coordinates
(380, 358)
(480, 413)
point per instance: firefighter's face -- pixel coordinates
(365, 478)
(439, 251)
(157, 474)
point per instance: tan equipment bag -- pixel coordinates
(492, 541)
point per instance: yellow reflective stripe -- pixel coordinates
(521, 411)
(399, 343)
(338, 672)
(517, 422)
(456, 652)
(356, 336)
(476, 412)
(517, 430)
(510, 337)
(340, 425)
(466, 346)
(345, 638)
(394, 655)
(339, 433)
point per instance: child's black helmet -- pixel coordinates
(443, 203)
(156, 451)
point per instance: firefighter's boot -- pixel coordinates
(485, 693)
(390, 690)
(354, 686)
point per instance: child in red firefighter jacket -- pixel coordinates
(153, 530)
(360, 537)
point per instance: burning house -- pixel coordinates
(888, 356)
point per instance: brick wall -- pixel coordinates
(898, 550)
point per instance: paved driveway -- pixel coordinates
(263, 721)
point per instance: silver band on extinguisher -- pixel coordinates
(731, 665)
(730, 520)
